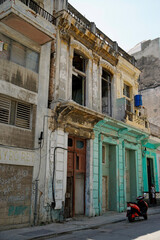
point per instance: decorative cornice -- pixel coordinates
(108, 66)
(79, 46)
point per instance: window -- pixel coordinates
(79, 144)
(70, 142)
(18, 53)
(15, 113)
(79, 79)
(106, 93)
(127, 93)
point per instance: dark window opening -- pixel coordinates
(70, 142)
(78, 79)
(106, 93)
(77, 163)
(79, 62)
(146, 124)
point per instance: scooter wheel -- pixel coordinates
(130, 218)
(145, 216)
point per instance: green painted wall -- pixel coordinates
(151, 154)
(116, 140)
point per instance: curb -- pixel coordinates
(76, 230)
(83, 228)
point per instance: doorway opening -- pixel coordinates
(131, 183)
(109, 184)
(150, 173)
(76, 174)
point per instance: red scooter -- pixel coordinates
(137, 210)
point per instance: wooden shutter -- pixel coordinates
(23, 115)
(5, 104)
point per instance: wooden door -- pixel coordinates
(76, 170)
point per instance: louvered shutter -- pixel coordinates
(5, 104)
(23, 115)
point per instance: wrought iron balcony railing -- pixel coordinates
(39, 10)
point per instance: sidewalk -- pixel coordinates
(55, 229)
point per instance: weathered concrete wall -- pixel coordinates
(151, 101)
(148, 61)
(18, 75)
(148, 48)
(21, 139)
(16, 169)
(15, 194)
(150, 71)
(18, 137)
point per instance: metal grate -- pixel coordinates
(23, 113)
(4, 109)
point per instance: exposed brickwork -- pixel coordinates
(52, 73)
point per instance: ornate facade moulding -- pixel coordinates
(68, 26)
(80, 47)
(128, 68)
(107, 66)
(75, 119)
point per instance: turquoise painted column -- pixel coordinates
(95, 175)
(100, 174)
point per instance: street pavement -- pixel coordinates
(75, 224)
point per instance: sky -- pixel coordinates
(127, 22)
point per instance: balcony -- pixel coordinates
(136, 119)
(81, 20)
(28, 18)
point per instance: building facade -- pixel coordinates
(71, 141)
(26, 31)
(147, 55)
(93, 82)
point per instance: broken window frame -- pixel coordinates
(107, 81)
(81, 76)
